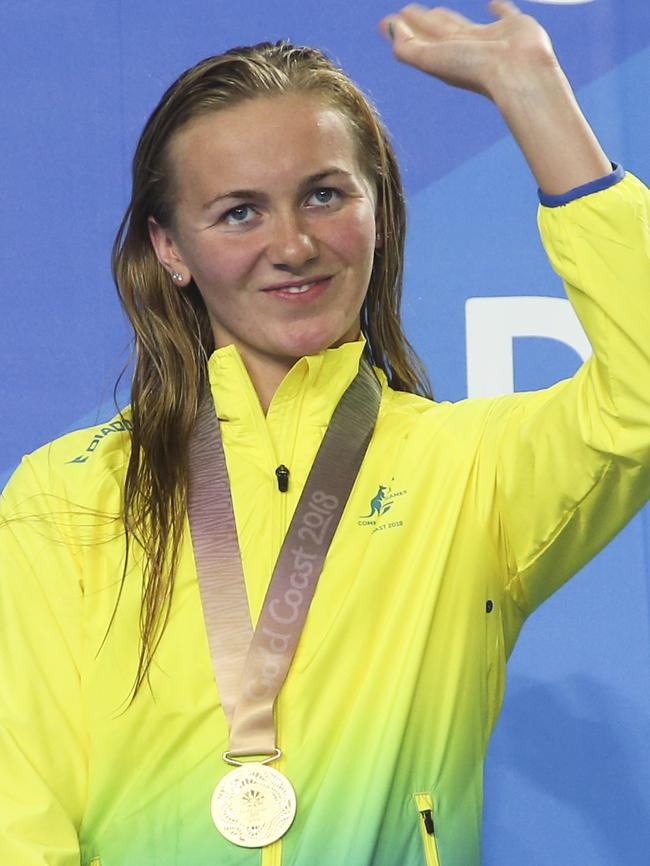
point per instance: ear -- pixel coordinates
(167, 252)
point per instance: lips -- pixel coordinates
(296, 286)
(296, 289)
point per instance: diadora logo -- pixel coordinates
(115, 427)
(379, 506)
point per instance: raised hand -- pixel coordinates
(485, 58)
(512, 62)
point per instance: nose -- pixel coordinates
(292, 244)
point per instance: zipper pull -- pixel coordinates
(427, 817)
(282, 474)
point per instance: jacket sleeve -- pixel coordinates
(572, 463)
(42, 748)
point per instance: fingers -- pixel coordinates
(396, 29)
(464, 53)
(503, 8)
(415, 25)
(441, 21)
(438, 22)
(415, 30)
(406, 46)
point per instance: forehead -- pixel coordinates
(262, 142)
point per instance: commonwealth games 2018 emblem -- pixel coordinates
(380, 504)
(377, 504)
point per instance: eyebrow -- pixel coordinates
(251, 193)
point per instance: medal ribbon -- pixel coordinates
(251, 666)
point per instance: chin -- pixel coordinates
(311, 341)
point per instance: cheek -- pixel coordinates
(354, 238)
(218, 264)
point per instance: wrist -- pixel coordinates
(542, 113)
(528, 85)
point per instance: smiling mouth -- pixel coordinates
(298, 288)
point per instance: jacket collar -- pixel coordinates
(314, 385)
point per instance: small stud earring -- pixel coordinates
(178, 277)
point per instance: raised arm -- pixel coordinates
(511, 61)
(561, 470)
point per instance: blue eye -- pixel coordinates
(238, 214)
(324, 196)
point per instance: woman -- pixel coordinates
(260, 263)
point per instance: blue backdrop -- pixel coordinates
(568, 776)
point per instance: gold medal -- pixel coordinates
(253, 805)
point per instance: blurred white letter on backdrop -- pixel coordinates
(491, 324)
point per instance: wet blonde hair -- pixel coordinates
(173, 337)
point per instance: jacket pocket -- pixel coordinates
(424, 806)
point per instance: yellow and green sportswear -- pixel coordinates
(464, 518)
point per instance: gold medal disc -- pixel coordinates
(253, 805)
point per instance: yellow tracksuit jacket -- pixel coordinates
(463, 518)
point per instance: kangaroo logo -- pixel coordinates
(377, 505)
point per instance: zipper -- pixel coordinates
(424, 806)
(282, 474)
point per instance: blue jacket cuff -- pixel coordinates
(617, 174)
